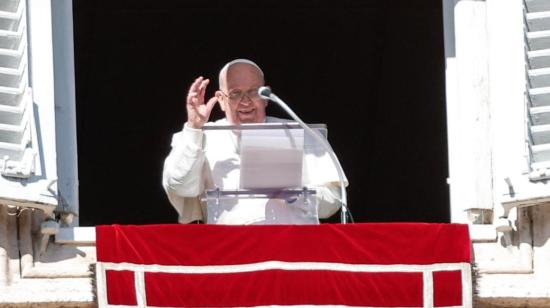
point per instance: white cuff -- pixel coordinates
(192, 135)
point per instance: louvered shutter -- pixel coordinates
(25, 134)
(17, 154)
(537, 34)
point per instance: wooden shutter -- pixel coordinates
(17, 154)
(537, 36)
(23, 180)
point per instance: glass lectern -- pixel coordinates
(273, 186)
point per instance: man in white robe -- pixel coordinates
(205, 159)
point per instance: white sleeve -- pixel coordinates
(328, 198)
(321, 174)
(184, 172)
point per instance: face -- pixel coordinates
(245, 79)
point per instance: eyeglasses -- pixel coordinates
(238, 95)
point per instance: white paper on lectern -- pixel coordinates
(271, 158)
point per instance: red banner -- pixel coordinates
(354, 265)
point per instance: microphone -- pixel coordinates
(266, 93)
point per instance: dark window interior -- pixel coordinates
(373, 71)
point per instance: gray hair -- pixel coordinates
(224, 69)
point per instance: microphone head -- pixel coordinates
(264, 92)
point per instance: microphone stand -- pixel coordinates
(266, 93)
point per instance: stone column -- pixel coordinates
(4, 259)
(25, 240)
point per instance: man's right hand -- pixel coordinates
(198, 111)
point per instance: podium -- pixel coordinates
(352, 265)
(274, 171)
(299, 206)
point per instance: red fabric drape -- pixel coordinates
(207, 246)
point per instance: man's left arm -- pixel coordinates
(328, 198)
(320, 173)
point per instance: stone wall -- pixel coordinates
(513, 270)
(35, 271)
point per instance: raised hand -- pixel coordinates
(198, 111)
